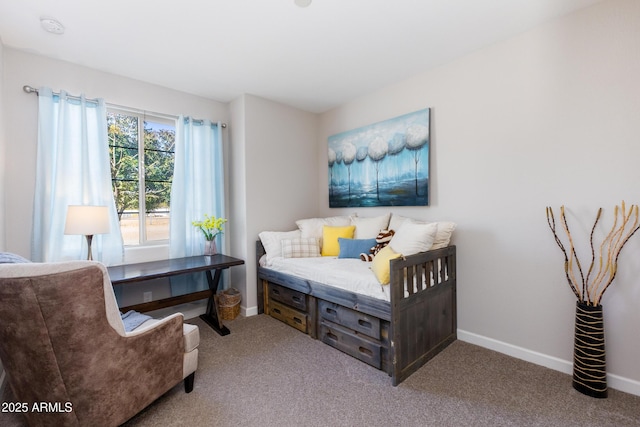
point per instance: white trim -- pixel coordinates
(3, 376)
(617, 382)
(250, 311)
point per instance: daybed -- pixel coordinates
(397, 327)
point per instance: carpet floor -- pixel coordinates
(265, 373)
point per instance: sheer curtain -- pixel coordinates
(197, 189)
(72, 169)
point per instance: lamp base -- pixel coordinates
(89, 238)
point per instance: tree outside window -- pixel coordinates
(141, 149)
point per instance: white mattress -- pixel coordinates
(344, 273)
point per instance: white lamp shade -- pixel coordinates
(87, 220)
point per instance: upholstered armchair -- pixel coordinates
(63, 342)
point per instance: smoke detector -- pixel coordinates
(52, 25)
(302, 3)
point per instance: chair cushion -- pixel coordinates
(191, 337)
(190, 332)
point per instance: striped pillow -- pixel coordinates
(304, 247)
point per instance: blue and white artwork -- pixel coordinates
(383, 164)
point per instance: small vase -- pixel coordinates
(210, 247)
(589, 366)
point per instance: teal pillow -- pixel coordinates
(352, 248)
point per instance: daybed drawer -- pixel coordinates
(351, 319)
(288, 296)
(354, 345)
(288, 315)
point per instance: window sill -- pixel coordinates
(136, 254)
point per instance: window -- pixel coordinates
(141, 149)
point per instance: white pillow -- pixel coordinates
(312, 227)
(368, 228)
(413, 237)
(396, 221)
(443, 236)
(304, 247)
(272, 242)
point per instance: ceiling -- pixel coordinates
(312, 58)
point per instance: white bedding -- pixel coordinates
(345, 273)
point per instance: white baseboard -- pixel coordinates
(249, 311)
(617, 382)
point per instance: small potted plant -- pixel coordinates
(211, 227)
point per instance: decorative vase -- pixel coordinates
(589, 367)
(210, 247)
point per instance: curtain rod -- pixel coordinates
(30, 89)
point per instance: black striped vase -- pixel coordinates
(589, 367)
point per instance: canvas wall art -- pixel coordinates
(383, 164)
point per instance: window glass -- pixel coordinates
(141, 149)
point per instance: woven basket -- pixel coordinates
(229, 303)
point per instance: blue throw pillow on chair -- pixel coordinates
(9, 258)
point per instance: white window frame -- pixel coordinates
(143, 116)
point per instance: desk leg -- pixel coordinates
(212, 317)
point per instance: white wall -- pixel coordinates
(2, 150)
(274, 171)
(21, 123)
(2, 156)
(547, 118)
(21, 138)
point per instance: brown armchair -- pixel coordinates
(62, 342)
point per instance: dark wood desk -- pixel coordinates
(132, 273)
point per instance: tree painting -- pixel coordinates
(383, 164)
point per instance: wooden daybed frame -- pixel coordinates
(396, 336)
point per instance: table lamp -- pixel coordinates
(87, 220)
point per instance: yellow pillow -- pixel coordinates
(330, 235)
(380, 264)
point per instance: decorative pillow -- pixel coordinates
(9, 258)
(443, 236)
(382, 239)
(330, 235)
(413, 237)
(368, 228)
(272, 242)
(312, 227)
(396, 221)
(352, 248)
(304, 247)
(380, 264)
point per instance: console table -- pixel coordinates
(133, 273)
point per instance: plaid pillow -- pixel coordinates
(305, 247)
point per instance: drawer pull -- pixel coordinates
(364, 323)
(297, 320)
(296, 298)
(277, 310)
(275, 291)
(332, 336)
(365, 351)
(331, 311)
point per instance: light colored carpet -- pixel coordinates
(267, 374)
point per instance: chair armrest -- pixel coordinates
(144, 328)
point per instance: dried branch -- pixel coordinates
(608, 253)
(572, 254)
(585, 290)
(552, 225)
(614, 264)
